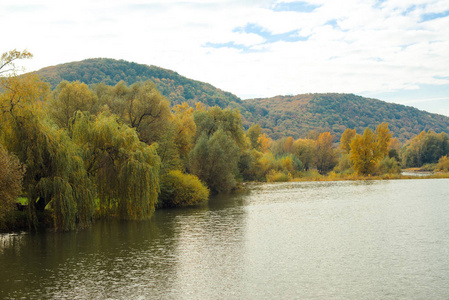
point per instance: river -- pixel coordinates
(307, 240)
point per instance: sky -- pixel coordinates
(392, 50)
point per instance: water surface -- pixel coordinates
(309, 240)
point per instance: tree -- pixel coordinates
(141, 106)
(11, 176)
(215, 161)
(345, 140)
(67, 99)
(185, 129)
(443, 164)
(265, 142)
(254, 133)
(288, 145)
(227, 120)
(305, 151)
(325, 155)
(425, 148)
(125, 170)
(8, 61)
(55, 174)
(364, 154)
(383, 138)
(219, 142)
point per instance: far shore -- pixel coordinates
(409, 173)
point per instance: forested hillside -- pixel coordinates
(279, 116)
(297, 115)
(175, 87)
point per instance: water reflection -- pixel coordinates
(175, 253)
(313, 240)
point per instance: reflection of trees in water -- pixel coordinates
(10, 242)
(93, 263)
(210, 248)
(126, 258)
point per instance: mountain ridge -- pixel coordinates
(290, 115)
(299, 114)
(110, 71)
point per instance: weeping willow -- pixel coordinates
(125, 170)
(55, 177)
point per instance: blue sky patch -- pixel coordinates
(378, 3)
(333, 23)
(242, 48)
(251, 28)
(291, 36)
(433, 16)
(299, 6)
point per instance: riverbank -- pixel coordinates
(411, 173)
(354, 177)
(17, 220)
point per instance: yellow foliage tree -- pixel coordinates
(67, 99)
(265, 142)
(185, 129)
(8, 61)
(345, 140)
(364, 154)
(178, 189)
(383, 138)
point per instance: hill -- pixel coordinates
(175, 87)
(297, 115)
(279, 116)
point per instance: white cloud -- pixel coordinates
(353, 46)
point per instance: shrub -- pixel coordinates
(277, 176)
(443, 164)
(389, 165)
(178, 189)
(344, 165)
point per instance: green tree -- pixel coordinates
(125, 170)
(55, 174)
(325, 155)
(215, 161)
(425, 148)
(227, 120)
(67, 99)
(253, 134)
(142, 107)
(305, 151)
(389, 165)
